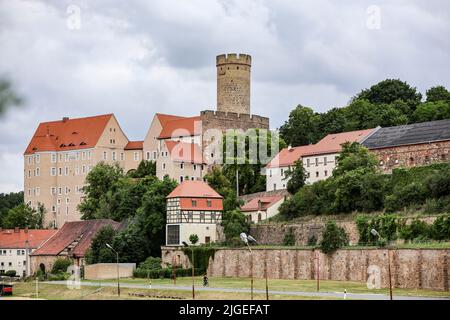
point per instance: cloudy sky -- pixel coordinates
(135, 58)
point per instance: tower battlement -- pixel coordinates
(234, 58)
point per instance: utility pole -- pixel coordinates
(237, 182)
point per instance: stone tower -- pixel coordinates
(233, 83)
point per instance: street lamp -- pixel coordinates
(377, 234)
(118, 276)
(245, 238)
(193, 272)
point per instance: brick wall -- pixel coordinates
(413, 155)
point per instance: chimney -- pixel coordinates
(65, 119)
(16, 230)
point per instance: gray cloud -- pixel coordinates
(135, 59)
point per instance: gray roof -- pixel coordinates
(409, 134)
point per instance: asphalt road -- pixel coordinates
(336, 295)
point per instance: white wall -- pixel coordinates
(11, 260)
(319, 169)
(276, 179)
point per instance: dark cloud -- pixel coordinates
(141, 57)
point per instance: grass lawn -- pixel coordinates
(61, 292)
(286, 285)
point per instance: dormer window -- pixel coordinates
(62, 145)
(71, 145)
(74, 132)
(82, 143)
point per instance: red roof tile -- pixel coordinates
(15, 239)
(288, 156)
(81, 231)
(181, 128)
(332, 143)
(266, 202)
(184, 152)
(135, 145)
(216, 204)
(194, 189)
(164, 118)
(68, 134)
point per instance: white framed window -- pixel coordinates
(89, 155)
(182, 166)
(67, 200)
(60, 171)
(53, 157)
(38, 172)
(38, 158)
(83, 169)
(53, 190)
(325, 161)
(136, 156)
(60, 157)
(60, 191)
(164, 166)
(105, 155)
(66, 156)
(147, 155)
(29, 173)
(66, 190)
(53, 208)
(37, 191)
(53, 171)
(77, 156)
(83, 155)
(154, 155)
(58, 202)
(113, 155)
(30, 160)
(122, 156)
(66, 171)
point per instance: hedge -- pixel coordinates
(166, 273)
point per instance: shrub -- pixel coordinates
(58, 277)
(334, 237)
(440, 229)
(438, 184)
(61, 265)
(289, 237)
(10, 273)
(312, 240)
(417, 229)
(151, 263)
(164, 273)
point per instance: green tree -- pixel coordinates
(8, 97)
(217, 180)
(145, 168)
(23, 216)
(9, 201)
(151, 216)
(99, 182)
(99, 252)
(438, 93)
(131, 244)
(334, 237)
(301, 128)
(234, 223)
(430, 111)
(193, 238)
(355, 156)
(60, 265)
(389, 91)
(297, 177)
(151, 263)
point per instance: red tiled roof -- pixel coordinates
(184, 152)
(81, 231)
(332, 143)
(164, 118)
(181, 128)
(12, 239)
(69, 134)
(135, 145)
(288, 156)
(266, 202)
(194, 189)
(201, 204)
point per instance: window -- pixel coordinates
(154, 154)
(147, 155)
(53, 191)
(38, 172)
(89, 155)
(121, 156)
(30, 160)
(29, 192)
(105, 155)
(83, 155)
(195, 167)
(317, 174)
(136, 156)
(66, 191)
(202, 216)
(164, 166)
(114, 156)
(60, 191)
(326, 173)
(60, 157)
(274, 186)
(29, 173)
(270, 173)
(60, 171)
(190, 216)
(37, 191)
(173, 234)
(67, 200)
(324, 161)
(77, 156)
(194, 203)
(213, 217)
(53, 158)
(282, 172)
(66, 171)
(77, 170)
(181, 178)
(38, 158)
(208, 203)
(83, 169)
(308, 162)
(67, 210)
(181, 166)
(53, 208)
(317, 162)
(66, 157)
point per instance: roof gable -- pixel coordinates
(68, 134)
(266, 202)
(194, 189)
(181, 127)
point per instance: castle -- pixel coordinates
(61, 153)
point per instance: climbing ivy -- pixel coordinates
(201, 256)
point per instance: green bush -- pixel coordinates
(417, 229)
(334, 237)
(10, 273)
(151, 263)
(61, 265)
(164, 273)
(58, 277)
(440, 229)
(289, 237)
